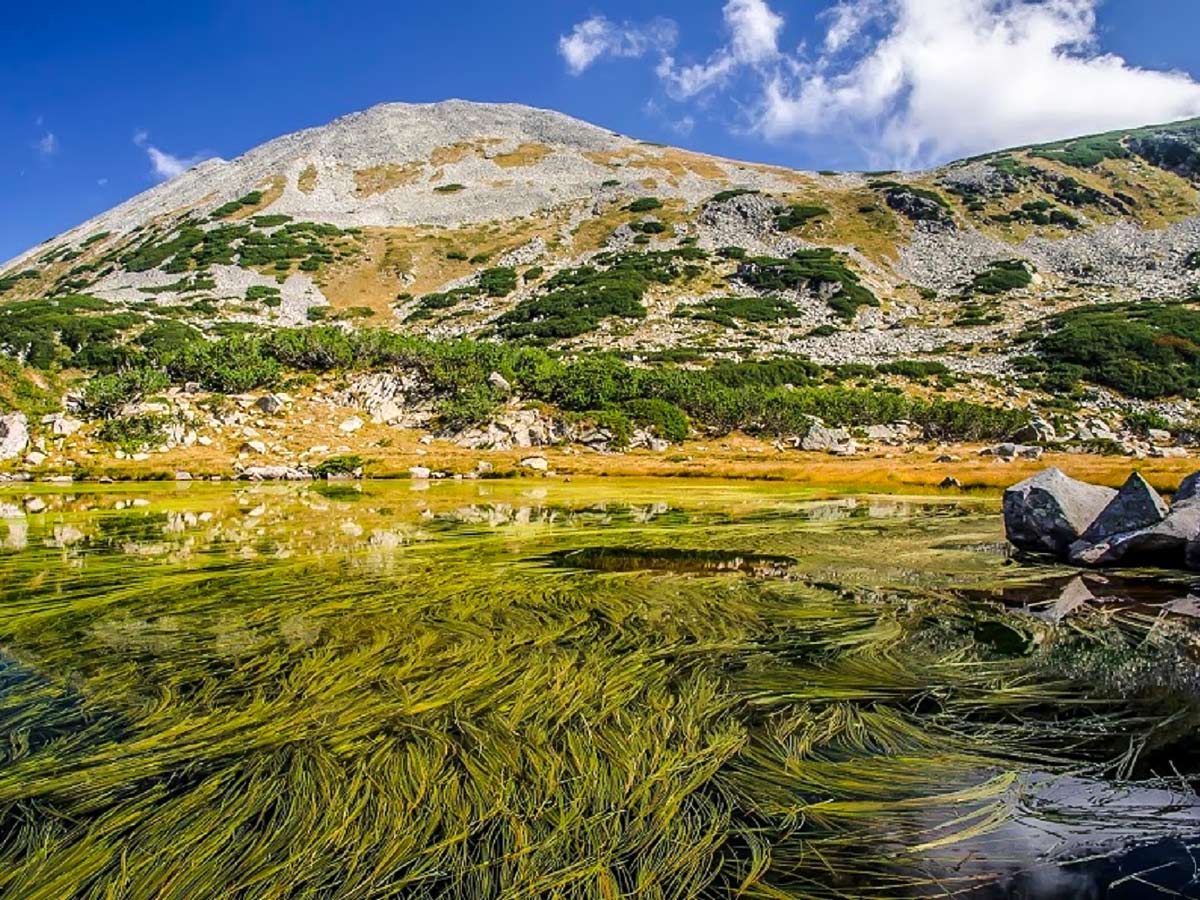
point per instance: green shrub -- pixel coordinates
(533, 273)
(728, 310)
(1083, 153)
(251, 199)
(345, 464)
(456, 256)
(797, 216)
(467, 408)
(644, 204)
(648, 227)
(913, 368)
(133, 433)
(498, 282)
(449, 188)
(8, 282)
(666, 420)
(1002, 276)
(810, 270)
(722, 196)
(105, 396)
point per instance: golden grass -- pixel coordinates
(307, 182)
(529, 154)
(380, 179)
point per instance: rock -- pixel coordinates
(351, 425)
(537, 463)
(386, 412)
(35, 505)
(483, 467)
(1159, 436)
(818, 437)
(204, 440)
(254, 447)
(950, 482)
(1038, 430)
(270, 404)
(1049, 511)
(1136, 506)
(183, 476)
(274, 473)
(63, 426)
(35, 458)
(500, 383)
(14, 435)
(1009, 451)
(1189, 489)
(11, 511)
(1175, 541)
(420, 473)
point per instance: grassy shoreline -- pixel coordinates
(735, 457)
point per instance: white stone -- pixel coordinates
(537, 463)
(351, 425)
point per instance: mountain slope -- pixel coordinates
(522, 226)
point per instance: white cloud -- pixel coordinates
(753, 30)
(47, 145)
(920, 81)
(599, 37)
(952, 77)
(101, 181)
(165, 165)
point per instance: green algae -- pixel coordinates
(274, 692)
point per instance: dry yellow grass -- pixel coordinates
(307, 182)
(379, 179)
(391, 451)
(524, 155)
(272, 189)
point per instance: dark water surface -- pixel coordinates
(592, 689)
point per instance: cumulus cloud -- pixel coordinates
(164, 165)
(951, 77)
(597, 37)
(921, 81)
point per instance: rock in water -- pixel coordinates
(1048, 512)
(1136, 506)
(1175, 541)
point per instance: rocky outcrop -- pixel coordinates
(1134, 527)
(1050, 511)
(14, 435)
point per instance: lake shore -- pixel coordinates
(389, 453)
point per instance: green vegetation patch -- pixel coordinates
(1083, 153)
(65, 331)
(575, 300)
(1144, 350)
(309, 243)
(728, 311)
(644, 204)
(799, 215)
(8, 282)
(730, 194)
(251, 199)
(820, 269)
(449, 188)
(1002, 276)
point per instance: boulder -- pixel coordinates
(537, 463)
(500, 383)
(820, 438)
(1189, 489)
(1136, 506)
(14, 435)
(1038, 430)
(419, 473)
(274, 473)
(1048, 512)
(270, 404)
(1172, 542)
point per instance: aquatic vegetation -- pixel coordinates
(497, 691)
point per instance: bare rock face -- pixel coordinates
(1174, 541)
(1048, 512)
(14, 435)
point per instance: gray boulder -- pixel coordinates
(1189, 489)
(14, 435)
(1136, 506)
(1175, 541)
(1048, 512)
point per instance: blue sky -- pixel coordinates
(93, 93)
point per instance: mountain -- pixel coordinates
(525, 226)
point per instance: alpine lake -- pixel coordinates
(606, 688)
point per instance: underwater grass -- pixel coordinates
(379, 697)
